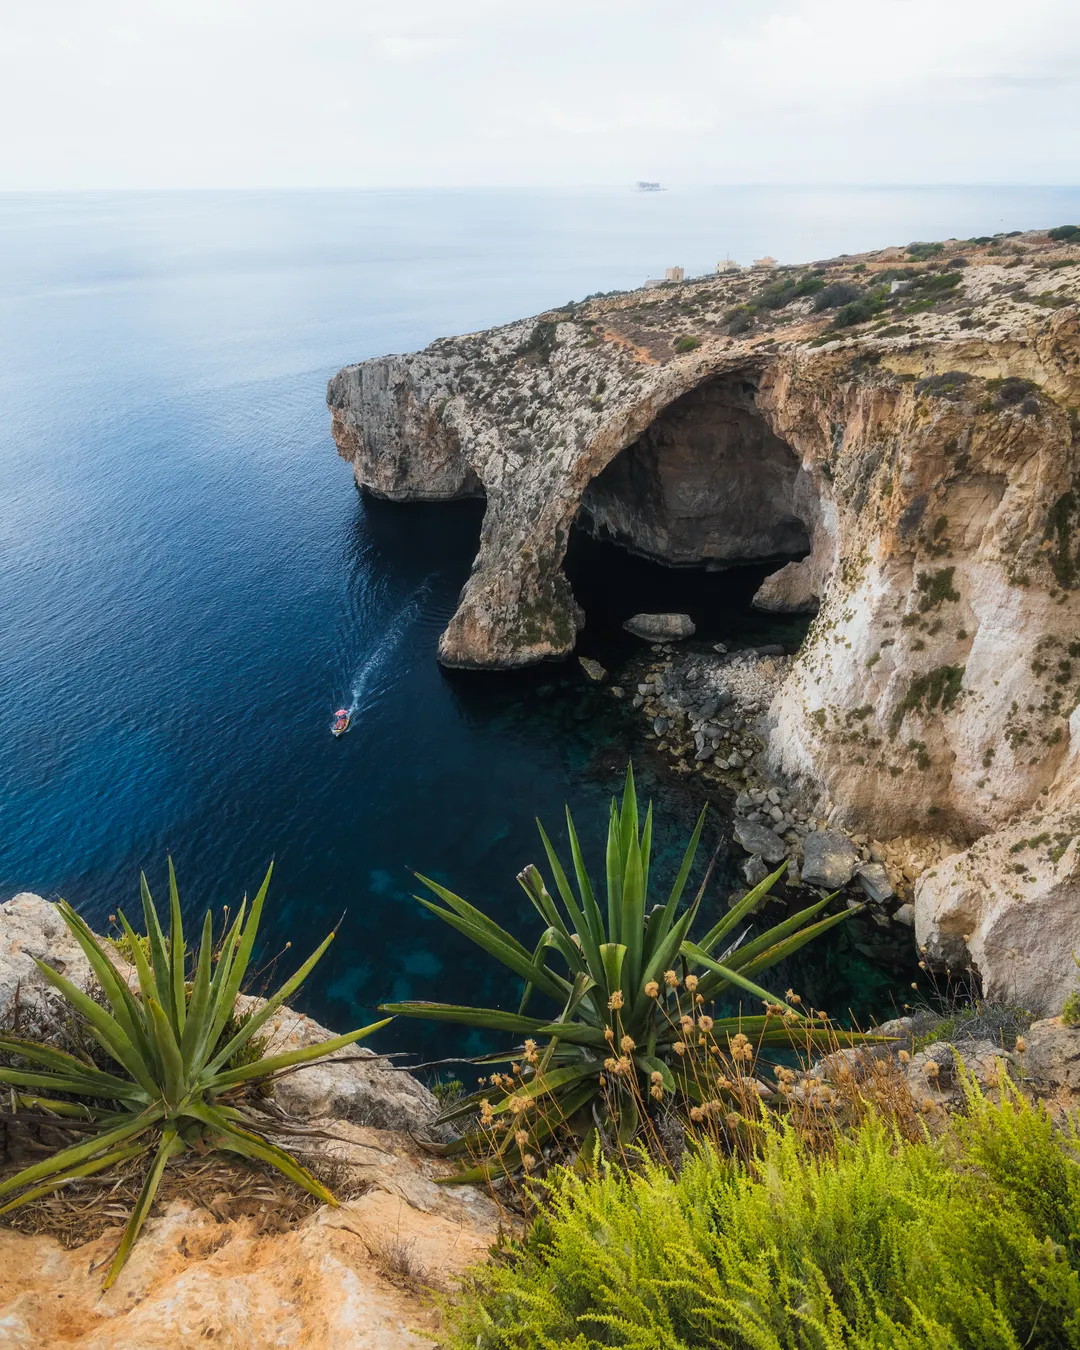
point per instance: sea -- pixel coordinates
(190, 583)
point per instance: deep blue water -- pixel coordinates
(190, 584)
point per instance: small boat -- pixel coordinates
(341, 722)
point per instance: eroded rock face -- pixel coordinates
(1010, 906)
(936, 481)
(707, 482)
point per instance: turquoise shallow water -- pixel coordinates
(191, 585)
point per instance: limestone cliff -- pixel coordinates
(904, 422)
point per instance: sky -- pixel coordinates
(341, 93)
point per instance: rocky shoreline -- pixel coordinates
(901, 426)
(705, 710)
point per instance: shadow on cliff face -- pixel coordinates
(706, 484)
(611, 584)
(692, 517)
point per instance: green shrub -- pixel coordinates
(968, 1243)
(1064, 233)
(739, 320)
(860, 311)
(835, 294)
(686, 344)
(921, 252)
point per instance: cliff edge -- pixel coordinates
(900, 430)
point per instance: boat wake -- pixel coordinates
(371, 678)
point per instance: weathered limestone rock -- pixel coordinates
(351, 1084)
(32, 927)
(1051, 1056)
(875, 882)
(593, 669)
(829, 859)
(1010, 905)
(760, 840)
(791, 590)
(194, 1280)
(661, 627)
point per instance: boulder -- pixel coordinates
(792, 590)
(1009, 906)
(661, 627)
(754, 870)
(874, 880)
(760, 840)
(593, 669)
(352, 1084)
(905, 915)
(829, 859)
(1052, 1054)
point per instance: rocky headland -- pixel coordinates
(899, 431)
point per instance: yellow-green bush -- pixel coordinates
(969, 1242)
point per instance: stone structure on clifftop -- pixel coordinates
(911, 457)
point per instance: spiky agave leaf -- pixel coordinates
(612, 954)
(173, 1083)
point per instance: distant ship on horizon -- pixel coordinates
(649, 187)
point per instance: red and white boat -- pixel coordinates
(341, 722)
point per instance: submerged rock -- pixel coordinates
(593, 669)
(657, 627)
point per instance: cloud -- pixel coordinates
(349, 92)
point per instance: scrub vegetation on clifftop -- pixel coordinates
(863, 1241)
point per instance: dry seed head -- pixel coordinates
(792, 997)
(931, 1068)
(656, 1079)
(679, 1048)
(705, 1023)
(671, 979)
(740, 1048)
(530, 1047)
(486, 1112)
(625, 1064)
(697, 1115)
(657, 1094)
(904, 1057)
(612, 1065)
(687, 1023)
(609, 1034)
(517, 1105)
(1021, 1045)
(528, 1162)
(627, 1044)
(691, 983)
(652, 989)
(521, 1138)
(615, 1001)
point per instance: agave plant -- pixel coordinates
(175, 1080)
(604, 970)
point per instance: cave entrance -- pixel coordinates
(708, 502)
